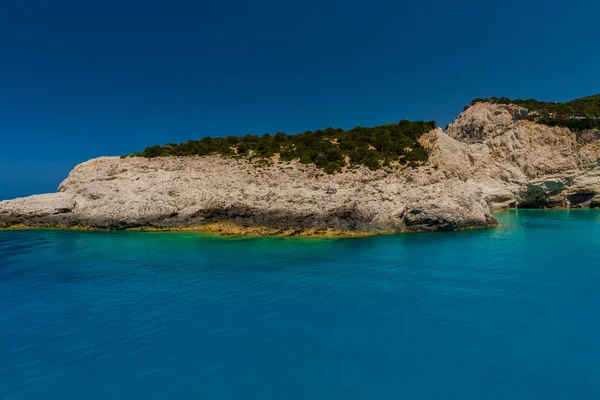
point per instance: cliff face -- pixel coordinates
(170, 192)
(521, 163)
(485, 159)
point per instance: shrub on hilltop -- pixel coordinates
(327, 148)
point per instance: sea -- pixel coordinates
(511, 312)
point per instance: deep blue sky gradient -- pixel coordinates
(84, 79)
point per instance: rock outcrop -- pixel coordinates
(193, 192)
(486, 158)
(519, 163)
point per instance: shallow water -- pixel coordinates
(510, 312)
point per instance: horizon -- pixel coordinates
(82, 81)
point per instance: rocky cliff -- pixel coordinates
(487, 158)
(519, 163)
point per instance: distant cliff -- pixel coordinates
(491, 156)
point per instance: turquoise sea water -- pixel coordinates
(506, 313)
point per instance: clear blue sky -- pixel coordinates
(81, 79)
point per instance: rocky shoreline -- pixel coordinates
(487, 158)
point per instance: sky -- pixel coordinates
(82, 79)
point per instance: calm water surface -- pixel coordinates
(506, 313)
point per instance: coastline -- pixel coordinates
(235, 230)
(216, 229)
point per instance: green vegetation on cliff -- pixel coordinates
(573, 124)
(585, 106)
(578, 114)
(326, 148)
